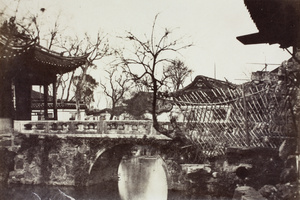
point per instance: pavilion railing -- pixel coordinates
(110, 128)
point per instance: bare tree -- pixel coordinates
(150, 55)
(118, 85)
(177, 72)
(96, 50)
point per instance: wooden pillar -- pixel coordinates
(246, 117)
(23, 98)
(46, 101)
(54, 99)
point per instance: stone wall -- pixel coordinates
(49, 161)
(58, 161)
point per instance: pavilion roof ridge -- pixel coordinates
(15, 46)
(205, 83)
(59, 55)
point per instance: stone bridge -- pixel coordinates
(84, 152)
(91, 129)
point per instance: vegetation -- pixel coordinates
(177, 72)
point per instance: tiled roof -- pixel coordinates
(35, 54)
(205, 86)
(205, 83)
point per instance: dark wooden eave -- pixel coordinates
(278, 21)
(15, 51)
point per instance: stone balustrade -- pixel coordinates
(111, 128)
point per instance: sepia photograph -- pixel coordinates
(149, 100)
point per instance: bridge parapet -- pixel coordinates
(111, 128)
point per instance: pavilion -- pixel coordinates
(24, 63)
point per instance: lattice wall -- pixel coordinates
(249, 115)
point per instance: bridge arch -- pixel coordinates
(104, 166)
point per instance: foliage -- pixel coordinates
(177, 72)
(139, 104)
(87, 88)
(11, 29)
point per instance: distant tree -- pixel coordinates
(145, 63)
(96, 50)
(87, 89)
(177, 72)
(139, 104)
(115, 89)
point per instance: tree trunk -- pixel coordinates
(77, 99)
(154, 101)
(69, 87)
(112, 113)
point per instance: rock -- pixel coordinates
(19, 163)
(200, 175)
(288, 191)
(286, 148)
(268, 191)
(288, 175)
(247, 193)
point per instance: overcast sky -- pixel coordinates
(212, 26)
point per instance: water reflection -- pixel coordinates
(104, 191)
(142, 178)
(139, 178)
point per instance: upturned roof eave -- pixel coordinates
(13, 48)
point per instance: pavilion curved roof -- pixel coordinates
(12, 48)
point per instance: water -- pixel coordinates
(105, 191)
(139, 178)
(142, 178)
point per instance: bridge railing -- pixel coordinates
(111, 128)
